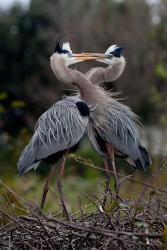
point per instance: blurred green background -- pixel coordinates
(28, 31)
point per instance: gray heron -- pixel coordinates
(121, 137)
(60, 129)
(116, 62)
(113, 127)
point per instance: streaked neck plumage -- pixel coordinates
(92, 94)
(117, 66)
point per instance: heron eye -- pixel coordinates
(109, 56)
(69, 54)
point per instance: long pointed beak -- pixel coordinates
(90, 56)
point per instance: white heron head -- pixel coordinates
(71, 58)
(114, 51)
(112, 55)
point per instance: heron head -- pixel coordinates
(64, 49)
(112, 55)
(114, 51)
(71, 58)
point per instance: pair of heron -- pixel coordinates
(113, 129)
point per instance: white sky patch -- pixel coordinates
(149, 2)
(156, 19)
(154, 11)
(152, 2)
(5, 4)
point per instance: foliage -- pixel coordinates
(28, 36)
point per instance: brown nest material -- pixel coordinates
(122, 225)
(116, 224)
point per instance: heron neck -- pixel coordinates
(110, 73)
(89, 92)
(115, 68)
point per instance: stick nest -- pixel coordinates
(120, 225)
(116, 223)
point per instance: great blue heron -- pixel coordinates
(120, 134)
(116, 62)
(60, 129)
(113, 128)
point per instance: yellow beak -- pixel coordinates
(90, 56)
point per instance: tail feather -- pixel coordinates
(144, 160)
(26, 161)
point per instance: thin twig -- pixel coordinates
(108, 233)
(16, 195)
(146, 186)
(16, 221)
(81, 160)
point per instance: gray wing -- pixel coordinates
(92, 135)
(122, 132)
(99, 75)
(131, 149)
(59, 128)
(120, 128)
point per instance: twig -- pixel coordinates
(16, 195)
(146, 186)
(95, 230)
(14, 220)
(80, 160)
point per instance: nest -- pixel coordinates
(116, 224)
(123, 225)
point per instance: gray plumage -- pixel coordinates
(99, 75)
(109, 124)
(59, 128)
(122, 127)
(114, 122)
(121, 130)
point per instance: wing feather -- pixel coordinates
(121, 130)
(59, 128)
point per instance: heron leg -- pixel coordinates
(46, 186)
(107, 182)
(59, 187)
(110, 151)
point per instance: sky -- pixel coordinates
(4, 4)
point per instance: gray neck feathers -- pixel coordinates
(116, 68)
(90, 93)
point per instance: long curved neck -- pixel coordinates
(115, 68)
(89, 92)
(111, 72)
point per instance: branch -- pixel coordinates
(149, 181)
(104, 232)
(16, 195)
(81, 160)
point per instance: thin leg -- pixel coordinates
(106, 167)
(110, 150)
(46, 186)
(107, 182)
(59, 186)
